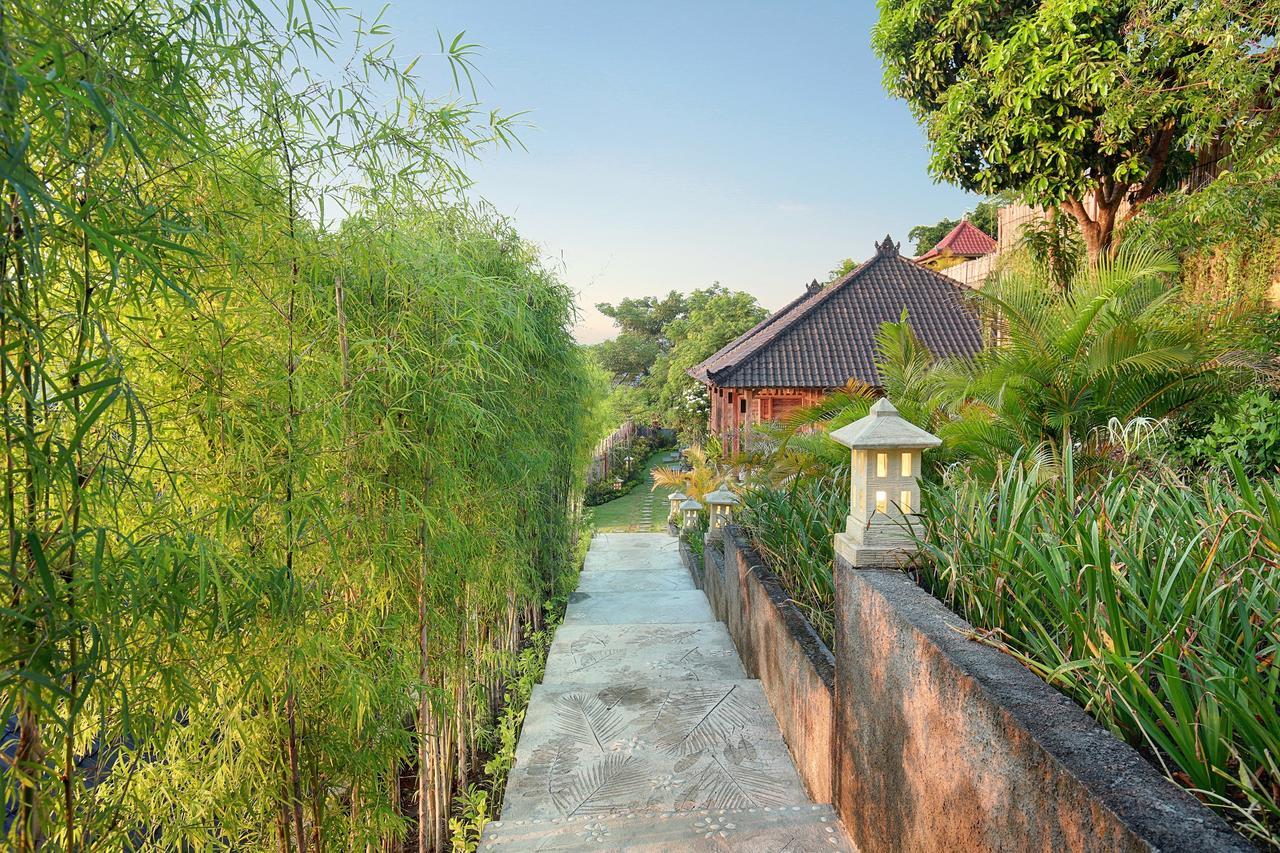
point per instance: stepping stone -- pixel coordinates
(793, 829)
(661, 579)
(612, 654)
(645, 607)
(601, 749)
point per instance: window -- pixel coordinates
(882, 464)
(906, 464)
(882, 501)
(742, 405)
(905, 502)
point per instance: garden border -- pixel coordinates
(925, 739)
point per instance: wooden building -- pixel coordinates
(826, 337)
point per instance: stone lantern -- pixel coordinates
(676, 499)
(885, 492)
(690, 509)
(721, 503)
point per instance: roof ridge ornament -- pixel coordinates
(813, 286)
(887, 248)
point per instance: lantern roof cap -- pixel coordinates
(884, 427)
(722, 497)
(691, 504)
(677, 496)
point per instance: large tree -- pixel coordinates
(1089, 105)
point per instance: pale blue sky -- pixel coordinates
(677, 144)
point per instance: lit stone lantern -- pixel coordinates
(690, 509)
(885, 493)
(721, 503)
(676, 499)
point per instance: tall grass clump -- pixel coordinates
(793, 528)
(1153, 602)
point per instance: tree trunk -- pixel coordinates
(1112, 202)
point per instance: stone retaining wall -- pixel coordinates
(948, 744)
(926, 740)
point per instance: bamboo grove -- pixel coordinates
(292, 436)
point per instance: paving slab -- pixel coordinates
(597, 749)
(791, 829)
(637, 608)
(610, 654)
(658, 579)
(646, 734)
(623, 552)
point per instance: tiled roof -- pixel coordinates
(966, 240)
(826, 337)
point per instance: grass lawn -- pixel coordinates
(640, 510)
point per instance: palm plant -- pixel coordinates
(1110, 347)
(705, 474)
(1069, 364)
(910, 375)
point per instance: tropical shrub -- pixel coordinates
(1154, 602)
(1112, 346)
(1246, 429)
(793, 528)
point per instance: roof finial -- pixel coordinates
(888, 248)
(813, 286)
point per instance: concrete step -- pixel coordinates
(658, 579)
(791, 829)
(649, 654)
(641, 607)
(624, 552)
(602, 749)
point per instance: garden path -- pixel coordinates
(646, 733)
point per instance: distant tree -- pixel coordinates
(927, 236)
(646, 315)
(628, 357)
(1083, 104)
(711, 324)
(842, 269)
(644, 335)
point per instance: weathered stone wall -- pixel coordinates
(778, 646)
(947, 744)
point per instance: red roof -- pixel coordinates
(965, 240)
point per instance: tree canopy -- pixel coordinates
(659, 339)
(1091, 105)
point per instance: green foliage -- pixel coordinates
(841, 270)
(1246, 431)
(695, 536)
(715, 321)
(1060, 101)
(271, 501)
(792, 527)
(659, 340)
(1054, 245)
(1146, 599)
(1110, 347)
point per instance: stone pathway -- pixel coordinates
(645, 733)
